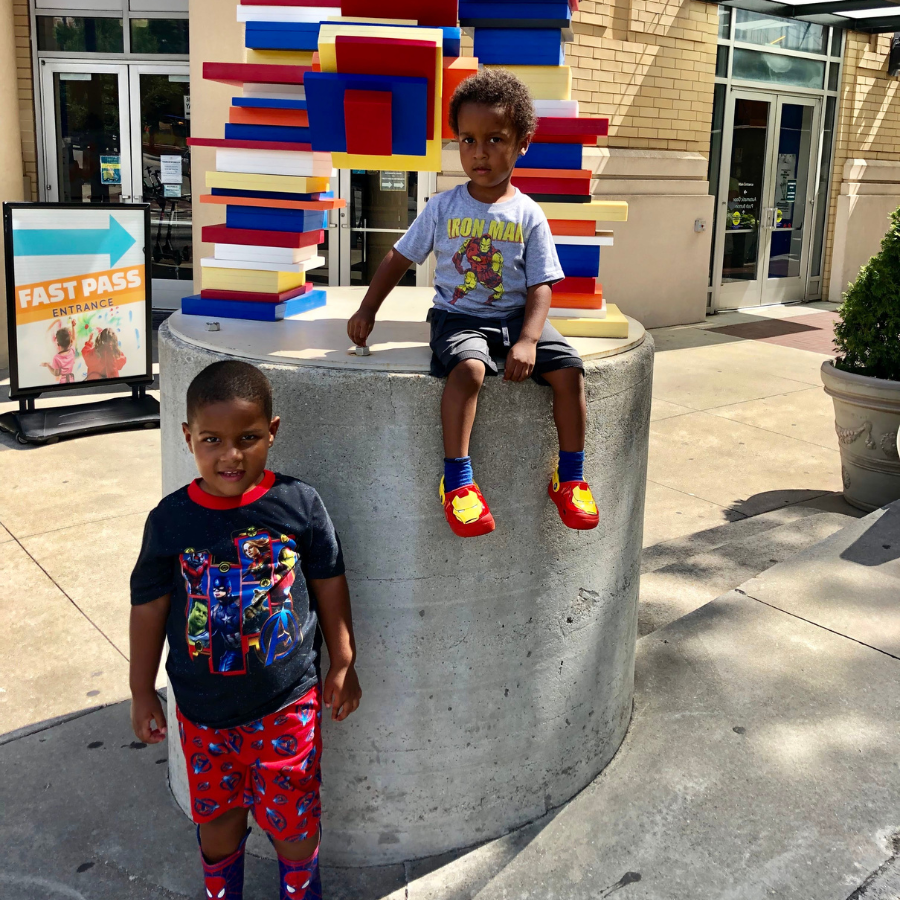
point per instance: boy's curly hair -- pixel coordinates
(500, 88)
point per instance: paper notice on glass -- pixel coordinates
(170, 169)
(171, 190)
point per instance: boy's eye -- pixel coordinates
(249, 437)
(210, 440)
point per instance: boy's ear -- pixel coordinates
(187, 435)
(273, 429)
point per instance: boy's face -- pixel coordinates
(488, 144)
(230, 442)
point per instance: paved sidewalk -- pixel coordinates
(801, 803)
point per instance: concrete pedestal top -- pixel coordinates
(497, 672)
(399, 342)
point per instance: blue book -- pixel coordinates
(519, 46)
(551, 156)
(282, 35)
(579, 260)
(261, 218)
(513, 13)
(286, 133)
(263, 103)
(258, 311)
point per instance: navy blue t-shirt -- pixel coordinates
(242, 626)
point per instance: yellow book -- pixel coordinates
(615, 325)
(544, 82)
(251, 280)
(279, 57)
(595, 211)
(285, 184)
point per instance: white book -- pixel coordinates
(274, 162)
(286, 13)
(561, 312)
(251, 253)
(555, 108)
(313, 263)
(603, 239)
(274, 91)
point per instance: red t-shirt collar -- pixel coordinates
(211, 501)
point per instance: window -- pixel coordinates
(785, 34)
(75, 34)
(168, 36)
(753, 65)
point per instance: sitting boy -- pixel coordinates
(242, 539)
(495, 263)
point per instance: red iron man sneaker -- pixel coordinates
(466, 511)
(575, 503)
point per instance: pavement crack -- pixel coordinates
(816, 624)
(884, 882)
(69, 597)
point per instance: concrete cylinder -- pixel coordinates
(497, 672)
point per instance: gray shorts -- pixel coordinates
(456, 336)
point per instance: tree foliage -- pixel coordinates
(868, 336)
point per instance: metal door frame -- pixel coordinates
(762, 286)
(49, 188)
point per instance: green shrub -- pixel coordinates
(868, 336)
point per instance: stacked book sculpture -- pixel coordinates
(367, 85)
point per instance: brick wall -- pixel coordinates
(868, 119)
(649, 66)
(26, 94)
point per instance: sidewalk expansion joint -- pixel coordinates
(884, 882)
(68, 597)
(816, 624)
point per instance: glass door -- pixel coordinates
(769, 166)
(161, 162)
(86, 132)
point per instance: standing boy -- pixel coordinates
(495, 263)
(247, 687)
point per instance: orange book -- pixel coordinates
(240, 115)
(320, 205)
(567, 300)
(572, 228)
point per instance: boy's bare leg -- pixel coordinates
(223, 835)
(458, 406)
(569, 407)
(297, 850)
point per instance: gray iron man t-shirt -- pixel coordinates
(487, 254)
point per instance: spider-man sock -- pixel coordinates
(571, 465)
(457, 473)
(300, 878)
(224, 880)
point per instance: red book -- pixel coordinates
(367, 122)
(586, 139)
(263, 73)
(245, 115)
(550, 185)
(575, 286)
(238, 144)
(292, 3)
(257, 297)
(572, 227)
(433, 13)
(222, 234)
(572, 125)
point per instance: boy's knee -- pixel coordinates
(468, 374)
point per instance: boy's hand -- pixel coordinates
(341, 693)
(520, 361)
(145, 707)
(360, 326)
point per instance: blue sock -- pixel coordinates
(571, 466)
(457, 473)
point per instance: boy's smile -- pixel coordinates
(230, 442)
(488, 150)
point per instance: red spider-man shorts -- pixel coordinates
(270, 766)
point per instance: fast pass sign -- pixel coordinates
(77, 290)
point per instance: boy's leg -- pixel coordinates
(458, 405)
(569, 407)
(222, 843)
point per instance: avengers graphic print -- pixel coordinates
(233, 610)
(242, 617)
(270, 766)
(487, 255)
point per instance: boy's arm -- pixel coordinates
(389, 273)
(147, 634)
(341, 692)
(521, 357)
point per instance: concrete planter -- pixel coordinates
(867, 420)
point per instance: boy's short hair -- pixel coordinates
(63, 339)
(496, 87)
(229, 379)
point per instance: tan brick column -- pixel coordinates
(10, 142)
